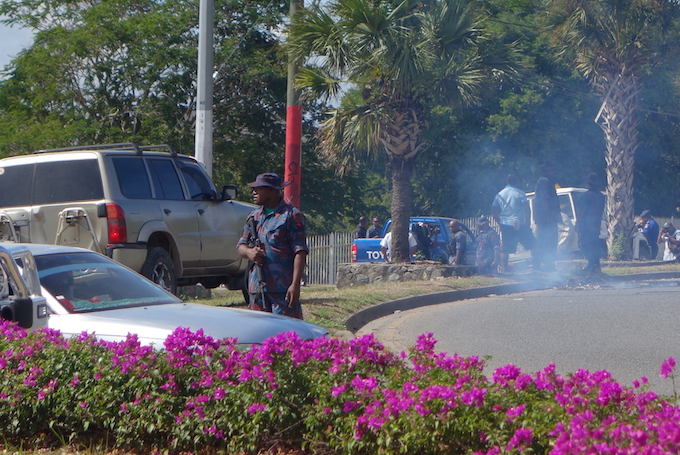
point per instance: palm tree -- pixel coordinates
(399, 57)
(610, 42)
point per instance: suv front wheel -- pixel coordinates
(159, 268)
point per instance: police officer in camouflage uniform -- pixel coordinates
(279, 257)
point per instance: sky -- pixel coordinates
(13, 40)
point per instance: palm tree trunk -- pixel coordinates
(620, 128)
(402, 196)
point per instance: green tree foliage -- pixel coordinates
(125, 70)
(113, 71)
(515, 127)
(611, 43)
(401, 57)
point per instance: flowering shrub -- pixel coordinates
(324, 395)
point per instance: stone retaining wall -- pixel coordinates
(361, 273)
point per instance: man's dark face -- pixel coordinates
(453, 226)
(265, 195)
(376, 222)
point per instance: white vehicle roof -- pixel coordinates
(153, 322)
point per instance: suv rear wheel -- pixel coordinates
(159, 268)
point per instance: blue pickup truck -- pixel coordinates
(368, 250)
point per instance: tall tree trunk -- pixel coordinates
(402, 196)
(401, 139)
(619, 124)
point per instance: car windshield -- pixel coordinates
(84, 282)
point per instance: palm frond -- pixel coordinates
(349, 134)
(317, 83)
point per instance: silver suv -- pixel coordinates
(147, 207)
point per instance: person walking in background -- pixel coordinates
(510, 209)
(589, 221)
(375, 231)
(650, 228)
(546, 216)
(275, 240)
(457, 246)
(488, 255)
(361, 232)
(671, 239)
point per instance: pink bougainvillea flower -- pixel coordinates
(256, 407)
(667, 367)
(514, 412)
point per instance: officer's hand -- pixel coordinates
(256, 254)
(293, 295)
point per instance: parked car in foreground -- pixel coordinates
(147, 207)
(88, 292)
(21, 300)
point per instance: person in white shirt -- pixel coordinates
(386, 243)
(671, 239)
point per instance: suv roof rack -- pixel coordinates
(157, 146)
(121, 146)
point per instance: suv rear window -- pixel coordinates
(15, 185)
(55, 182)
(67, 181)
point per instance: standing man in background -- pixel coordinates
(275, 241)
(488, 248)
(457, 246)
(546, 217)
(588, 222)
(375, 231)
(510, 209)
(360, 232)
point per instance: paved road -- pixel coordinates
(628, 330)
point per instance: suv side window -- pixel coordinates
(165, 180)
(132, 178)
(565, 205)
(15, 185)
(67, 181)
(200, 188)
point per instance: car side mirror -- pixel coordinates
(18, 310)
(229, 192)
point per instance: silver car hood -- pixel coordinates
(154, 323)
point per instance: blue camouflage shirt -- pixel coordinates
(282, 234)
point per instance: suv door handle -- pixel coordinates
(167, 211)
(201, 211)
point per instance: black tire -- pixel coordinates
(158, 267)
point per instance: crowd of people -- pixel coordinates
(511, 212)
(274, 238)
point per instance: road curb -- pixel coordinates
(363, 317)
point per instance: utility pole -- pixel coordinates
(291, 193)
(204, 82)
